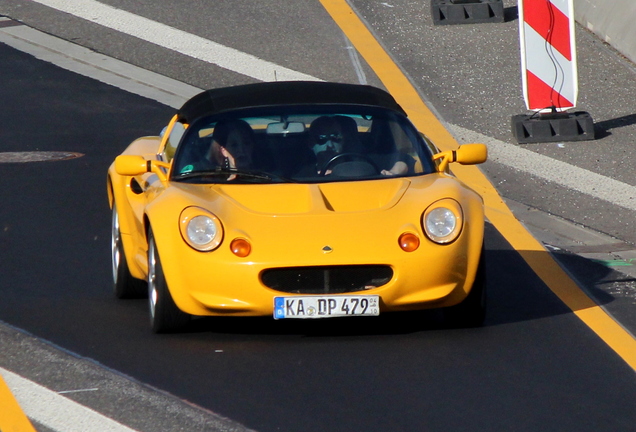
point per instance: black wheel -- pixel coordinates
(165, 316)
(125, 286)
(472, 311)
(349, 157)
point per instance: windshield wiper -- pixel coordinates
(205, 173)
(260, 175)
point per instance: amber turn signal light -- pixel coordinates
(240, 247)
(409, 242)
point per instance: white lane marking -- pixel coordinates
(78, 391)
(176, 40)
(56, 412)
(138, 81)
(97, 66)
(355, 60)
(562, 173)
(570, 176)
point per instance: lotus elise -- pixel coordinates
(295, 200)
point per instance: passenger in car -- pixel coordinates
(382, 150)
(233, 145)
(230, 147)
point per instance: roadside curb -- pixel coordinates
(559, 234)
(97, 66)
(65, 392)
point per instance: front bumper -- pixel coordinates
(219, 283)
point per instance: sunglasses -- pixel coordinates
(321, 139)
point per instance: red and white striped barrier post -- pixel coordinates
(548, 54)
(549, 73)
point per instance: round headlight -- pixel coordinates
(442, 221)
(201, 230)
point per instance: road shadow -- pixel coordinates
(387, 324)
(602, 129)
(517, 293)
(511, 13)
(605, 284)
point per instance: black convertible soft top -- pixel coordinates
(284, 93)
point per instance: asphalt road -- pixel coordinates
(534, 366)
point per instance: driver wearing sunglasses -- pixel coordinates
(326, 139)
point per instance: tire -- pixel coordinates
(472, 311)
(124, 285)
(165, 316)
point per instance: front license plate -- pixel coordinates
(326, 306)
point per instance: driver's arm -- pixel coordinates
(398, 168)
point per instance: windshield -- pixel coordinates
(301, 145)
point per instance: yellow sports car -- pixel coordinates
(295, 200)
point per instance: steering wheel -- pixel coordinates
(344, 157)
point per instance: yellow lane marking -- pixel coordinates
(12, 419)
(388, 72)
(534, 254)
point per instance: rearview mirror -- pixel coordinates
(285, 128)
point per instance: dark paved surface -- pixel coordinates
(534, 366)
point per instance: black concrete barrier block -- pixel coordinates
(467, 11)
(552, 127)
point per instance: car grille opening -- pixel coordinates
(327, 280)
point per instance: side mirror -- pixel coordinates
(132, 165)
(128, 165)
(466, 154)
(471, 154)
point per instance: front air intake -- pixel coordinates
(327, 279)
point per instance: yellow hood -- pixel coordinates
(317, 198)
